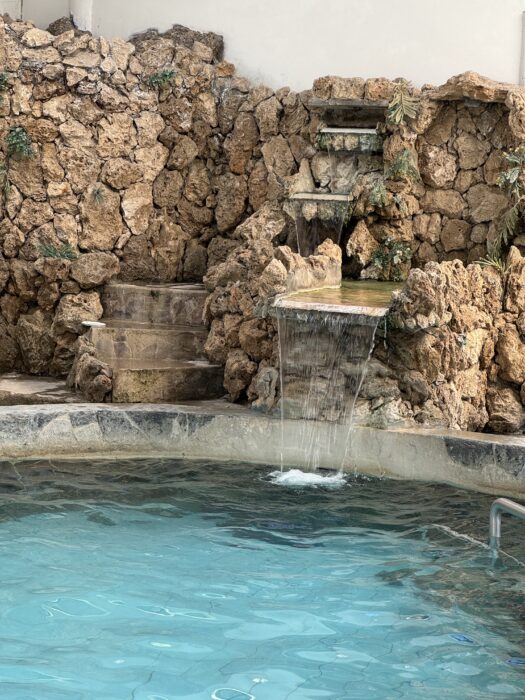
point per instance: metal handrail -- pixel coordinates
(502, 505)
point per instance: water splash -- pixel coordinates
(298, 479)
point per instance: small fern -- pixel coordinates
(401, 204)
(378, 195)
(161, 78)
(98, 194)
(19, 143)
(65, 252)
(390, 257)
(510, 181)
(4, 81)
(496, 262)
(402, 105)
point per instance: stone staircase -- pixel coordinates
(154, 342)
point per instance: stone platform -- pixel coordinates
(21, 389)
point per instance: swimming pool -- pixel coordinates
(153, 580)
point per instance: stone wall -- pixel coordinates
(152, 160)
(454, 353)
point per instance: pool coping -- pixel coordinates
(218, 431)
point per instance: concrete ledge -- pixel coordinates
(218, 431)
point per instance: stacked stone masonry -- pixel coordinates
(152, 160)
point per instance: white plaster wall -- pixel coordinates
(291, 42)
(43, 12)
(12, 7)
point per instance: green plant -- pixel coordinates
(403, 104)
(161, 78)
(494, 261)
(98, 194)
(511, 182)
(65, 252)
(390, 257)
(403, 167)
(378, 195)
(401, 204)
(19, 143)
(323, 141)
(4, 81)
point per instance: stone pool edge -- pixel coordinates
(217, 431)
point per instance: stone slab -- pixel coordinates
(21, 389)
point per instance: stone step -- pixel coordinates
(125, 340)
(166, 381)
(158, 304)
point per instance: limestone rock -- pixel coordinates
(446, 202)
(75, 308)
(167, 188)
(268, 114)
(101, 219)
(437, 167)
(265, 225)
(515, 288)
(506, 413)
(37, 346)
(278, 157)
(231, 201)
(120, 173)
(361, 245)
(94, 269)
(272, 280)
(137, 207)
(89, 375)
(33, 214)
(195, 262)
(243, 140)
(455, 235)
(263, 388)
(36, 38)
(53, 269)
(486, 203)
(238, 373)
(83, 59)
(511, 355)
(472, 152)
(82, 167)
(117, 136)
(473, 86)
(183, 153)
(255, 339)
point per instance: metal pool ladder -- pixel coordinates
(502, 505)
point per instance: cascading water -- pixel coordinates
(318, 219)
(324, 357)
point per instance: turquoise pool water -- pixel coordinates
(160, 580)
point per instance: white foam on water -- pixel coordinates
(297, 478)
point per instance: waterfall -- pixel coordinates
(324, 357)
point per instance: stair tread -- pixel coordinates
(160, 365)
(123, 324)
(160, 287)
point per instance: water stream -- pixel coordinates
(323, 364)
(326, 338)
